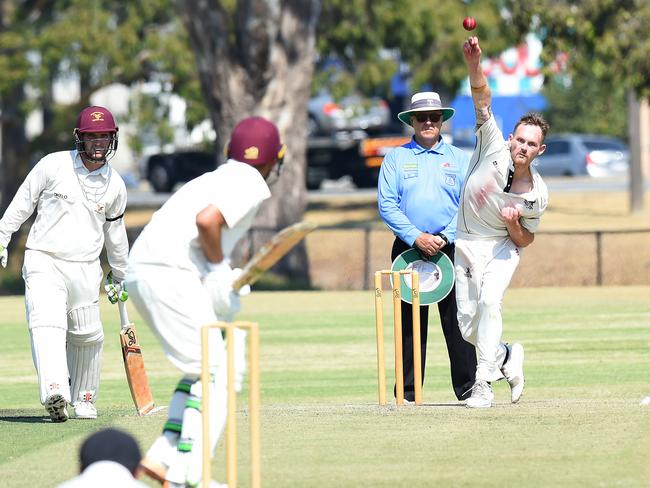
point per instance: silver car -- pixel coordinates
(583, 154)
(354, 112)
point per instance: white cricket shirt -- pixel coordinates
(171, 238)
(487, 189)
(77, 210)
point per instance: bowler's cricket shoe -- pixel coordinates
(482, 395)
(55, 404)
(84, 410)
(513, 370)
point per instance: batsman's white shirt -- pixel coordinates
(487, 189)
(171, 238)
(166, 263)
(78, 211)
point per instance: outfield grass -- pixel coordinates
(578, 424)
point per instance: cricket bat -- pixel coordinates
(274, 250)
(136, 374)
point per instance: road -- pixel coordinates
(141, 198)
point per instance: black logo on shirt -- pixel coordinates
(468, 272)
(61, 196)
(528, 204)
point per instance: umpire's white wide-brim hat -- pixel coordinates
(425, 102)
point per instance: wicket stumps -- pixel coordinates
(231, 422)
(397, 334)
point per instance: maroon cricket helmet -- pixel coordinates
(255, 141)
(96, 119)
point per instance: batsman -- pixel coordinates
(180, 279)
(80, 200)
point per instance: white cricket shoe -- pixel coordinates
(84, 410)
(482, 395)
(56, 406)
(513, 370)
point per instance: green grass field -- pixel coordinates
(578, 424)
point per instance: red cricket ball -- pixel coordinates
(469, 23)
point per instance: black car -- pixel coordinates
(164, 171)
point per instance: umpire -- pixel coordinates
(418, 197)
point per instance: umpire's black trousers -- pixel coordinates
(462, 354)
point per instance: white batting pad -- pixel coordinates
(48, 353)
(186, 466)
(85, 344)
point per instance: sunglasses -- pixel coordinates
(424, 116)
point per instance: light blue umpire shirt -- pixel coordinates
(419, 189)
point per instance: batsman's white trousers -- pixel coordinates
(53, 288)
(175, 304)
(483, 270)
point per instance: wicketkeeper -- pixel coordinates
(81, 201)
(180, 279)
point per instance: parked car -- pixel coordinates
(327, 116)
(583, 154)
(165, 170)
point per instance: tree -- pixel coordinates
(369, 38)
(95, 42)
(256, 57)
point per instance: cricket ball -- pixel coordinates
(469, 23)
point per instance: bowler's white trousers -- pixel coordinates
(483, 270)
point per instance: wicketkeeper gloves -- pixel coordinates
(3, 256)
(116, 290)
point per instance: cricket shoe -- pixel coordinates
(84, 410)
(481, 395)
(56, 406)
(513, 370)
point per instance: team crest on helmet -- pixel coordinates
(97, 116)
(252, 152)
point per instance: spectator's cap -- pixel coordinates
(110, 445)
(425, 102)
(255, 141)
(96, 119)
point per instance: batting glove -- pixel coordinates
(116, 290)
(218, 282)
(244, 290)
(3, 256)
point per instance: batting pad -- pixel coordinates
(85, 344)
(48, 353)
(186, 466)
